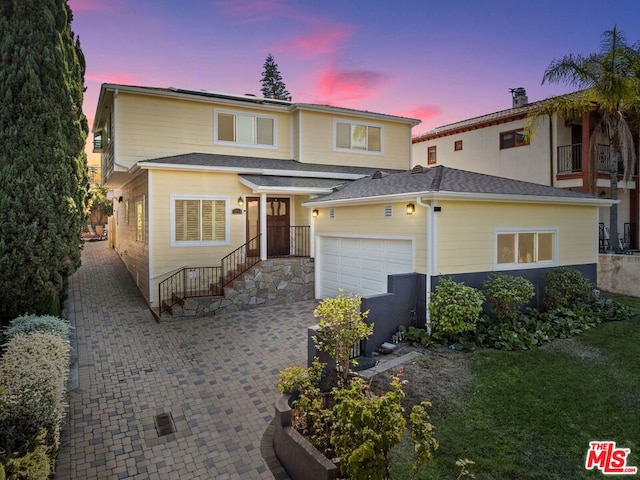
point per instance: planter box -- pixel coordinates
(300, 459)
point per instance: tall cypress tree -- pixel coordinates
(272, 84)
(43, 173)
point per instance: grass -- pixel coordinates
(531, 415)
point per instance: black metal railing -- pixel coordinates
(288, 241)
(240, 260)
(570, 159)
(208, 281)
(625, 243)
(189, 282)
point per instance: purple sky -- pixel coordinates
(437, 61)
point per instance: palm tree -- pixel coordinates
(609, 85)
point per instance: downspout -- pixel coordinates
(430, 247)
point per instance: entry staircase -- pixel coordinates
(190, 282)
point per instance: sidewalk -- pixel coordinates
(216, 377)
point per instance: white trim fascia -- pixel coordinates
(150, 226)
(235, 100)
(251, 171)
(463, 196)
(284, 190)
(353, 113)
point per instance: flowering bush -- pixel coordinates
(35, 323)
(33, 375)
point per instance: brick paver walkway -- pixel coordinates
(217, 377)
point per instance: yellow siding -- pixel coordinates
(134, 254)
(152, 127)
(317, 143)
(369, 220)
(466, 232)
(167, 183)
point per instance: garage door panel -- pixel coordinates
(361, 265)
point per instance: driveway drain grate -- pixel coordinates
(164, 424)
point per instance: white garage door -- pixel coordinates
(361, 265)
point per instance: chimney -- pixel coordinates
(519, 97)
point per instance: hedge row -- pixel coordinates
(33, 376)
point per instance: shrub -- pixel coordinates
(34, 465)
(506, 294)
(565, 287)
(38, 323)
(454, 308)
(33, 375)
(341, 327)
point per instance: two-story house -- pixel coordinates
(208, 179)
(557, 154)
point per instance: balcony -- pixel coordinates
(570, 159)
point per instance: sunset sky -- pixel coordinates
(437, 61)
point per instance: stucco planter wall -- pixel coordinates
(300, 459)
(273, 282)
(619, 274)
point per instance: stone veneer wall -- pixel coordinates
(276, 281)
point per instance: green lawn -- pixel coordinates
(531, 415)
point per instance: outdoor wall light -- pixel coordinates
(120, 199)
(315, 213)
(411, 209)
(240, 202)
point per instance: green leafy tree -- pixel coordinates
(272, 84)
(342, 326)
(610, 86)
(43, 173)
(100, 207)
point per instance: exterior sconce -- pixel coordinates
(411, 209)
(240, 202)
(315, 213)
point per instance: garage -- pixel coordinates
(360, 265)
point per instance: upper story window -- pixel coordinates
(357, 137)
(432, 155)
(457, 145)
(246, 129)
(525, 249)
(512, 138)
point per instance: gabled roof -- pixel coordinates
(256, 166)
(495, 118)
(251, 100)
(449, 183)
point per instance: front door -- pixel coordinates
(277, 227)
(278, 216)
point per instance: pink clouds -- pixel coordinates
(323, 40)
(421, 112)
(344, 85)
(89, 5)
(110, 77)
(252, 11)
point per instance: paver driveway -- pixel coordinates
(216, 376)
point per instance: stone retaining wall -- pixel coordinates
(276, 281)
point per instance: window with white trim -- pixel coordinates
(199, 220)
(246, 129)
(357, 137)
(525, 248)
(140, 219)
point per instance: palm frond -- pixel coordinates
(574, 70)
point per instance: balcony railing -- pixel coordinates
(570, 159)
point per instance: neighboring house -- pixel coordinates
(198, 176)
(447, 222)
(557, 155)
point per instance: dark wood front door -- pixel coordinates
(278, 218)
(277, 227)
